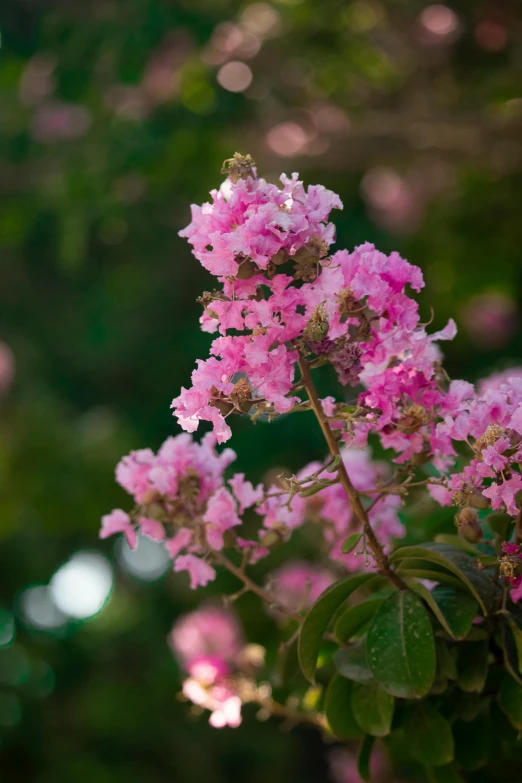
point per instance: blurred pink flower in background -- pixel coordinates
(343, 766)
(210, 631)
(234, 76)
(7, 367)
(490, 319)
(438, 24)
(287, 139)
(391, 199)
(161, 80)
(491, 34)
(512, 377)
(298, 584)
(58, 121)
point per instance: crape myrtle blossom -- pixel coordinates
(221, 667)
(182, 500)
(331, 509)
(281, 309)
(490, 424)
(298, 584)
(281, 297)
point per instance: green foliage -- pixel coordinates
(98, 305)
(320, 617)
(339, 710)
(481, 584)
(401, 647)
(414, 667)
(430, 735)
(372, 707)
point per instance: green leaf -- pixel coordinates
(350, 543)
(500, 524)
(458, 607)
(289, 663)
(446, 660)
(517, 636)
(429, 734)
(472, 666)
(510, 701)
(481, 584)
(355, 617)
(443, 775)
(318, 619)
(352, 661)
(459, 543)
(510, 652)
(454, 609)
(364, 758)
(418, 569)
(372, 708)
(472, 742)
(466, 706)
(338, 708)
(401, 646)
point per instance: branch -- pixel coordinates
(291, 715)
(267, 597)
(358, 509)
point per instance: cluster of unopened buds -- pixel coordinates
(282, 307)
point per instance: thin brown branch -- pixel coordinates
(291, 715)
(267, 597)
(358, 509)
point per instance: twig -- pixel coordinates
(255, 588)
(360, 513)
(292, 716)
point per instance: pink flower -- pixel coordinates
(209, 631)
(223, 703)
(7, 367)
(493, 455)
(220, 516)
(152, 529)
(119, 522)
(516, 420)
(504, 494)
(298, 584)
(201, 573)
(343, 766)
(179, 541)
(132, 473)
(208, 669)
(244, 491)
(516, 590)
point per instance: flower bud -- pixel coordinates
(317, 327)
(468, 525)
(270, 539)
(150, 496)
(477, 500)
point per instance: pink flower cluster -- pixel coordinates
(349, 309)
(249, 230)
(298, 584)
(208, 644)
(331, 508)
(343, 766)
(181, 500)
(490, 424)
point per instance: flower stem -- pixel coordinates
(255, 588)
(358, 509)
(292, 716)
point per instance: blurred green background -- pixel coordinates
(114, 117)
